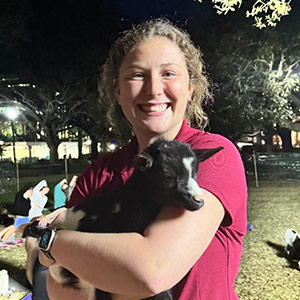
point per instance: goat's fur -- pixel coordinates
(292, 246)
(165, 174)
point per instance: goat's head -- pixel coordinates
(171, 167)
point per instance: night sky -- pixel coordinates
(138, 11)
(65, 34)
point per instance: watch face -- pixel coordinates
(45, 238)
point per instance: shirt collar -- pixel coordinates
(186, 134)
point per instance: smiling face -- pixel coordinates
(153, 89)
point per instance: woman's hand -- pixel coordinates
(44, 221)
(53, 219)
(58, 292)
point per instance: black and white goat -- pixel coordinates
(165, 174)
(292, 246)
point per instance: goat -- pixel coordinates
(164, 175)
(292, 246)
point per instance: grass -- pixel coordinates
(14, 260)
(264, 274)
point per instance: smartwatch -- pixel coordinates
(46, 241)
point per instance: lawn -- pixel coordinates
(264, 274)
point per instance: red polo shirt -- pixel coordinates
(213, 275)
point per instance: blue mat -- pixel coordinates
(27, 297)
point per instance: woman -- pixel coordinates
(63, 191)
(22, 201)
(156, 75)
(21, 209)
(38, 200)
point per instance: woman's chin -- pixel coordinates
(160, 129)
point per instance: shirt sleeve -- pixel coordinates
(224, 176)
(89, 182)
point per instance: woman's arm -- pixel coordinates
(136, 265)
(53, 219)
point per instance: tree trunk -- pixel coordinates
(79, 143)
(94, 148)
(286, 138)
(53, 151)
(269, 141)
(53, 142)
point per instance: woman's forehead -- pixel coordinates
(161, 49)
(149, 44)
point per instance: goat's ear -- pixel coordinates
(203, 154)
(142, 161)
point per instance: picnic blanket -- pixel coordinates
(11, 244)
(27, 297)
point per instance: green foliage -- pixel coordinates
(256, 74)
(259, 90)
(265, 12)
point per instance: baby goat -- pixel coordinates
(292, 246)
(165, 174)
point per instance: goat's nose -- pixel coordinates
(198, 197)
(199, 200)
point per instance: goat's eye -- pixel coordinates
(167, 175)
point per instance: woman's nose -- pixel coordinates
(153, 86)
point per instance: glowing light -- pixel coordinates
(12, 113)
(112, 147)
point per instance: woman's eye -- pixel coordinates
(137, 76)
(168, 74)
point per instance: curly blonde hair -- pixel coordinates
(139, 34)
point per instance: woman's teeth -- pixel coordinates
(154, 108)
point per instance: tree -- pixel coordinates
(64, 52)
(49, 108)
(256, 94)
(74, 47)
(265, 12)
(91, 114)
(255, 75)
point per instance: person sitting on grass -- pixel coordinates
(5, 219)
(37, 199)
(21, 210)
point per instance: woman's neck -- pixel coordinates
(145, 139)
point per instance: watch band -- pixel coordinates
(46, 241)
(48, 254)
